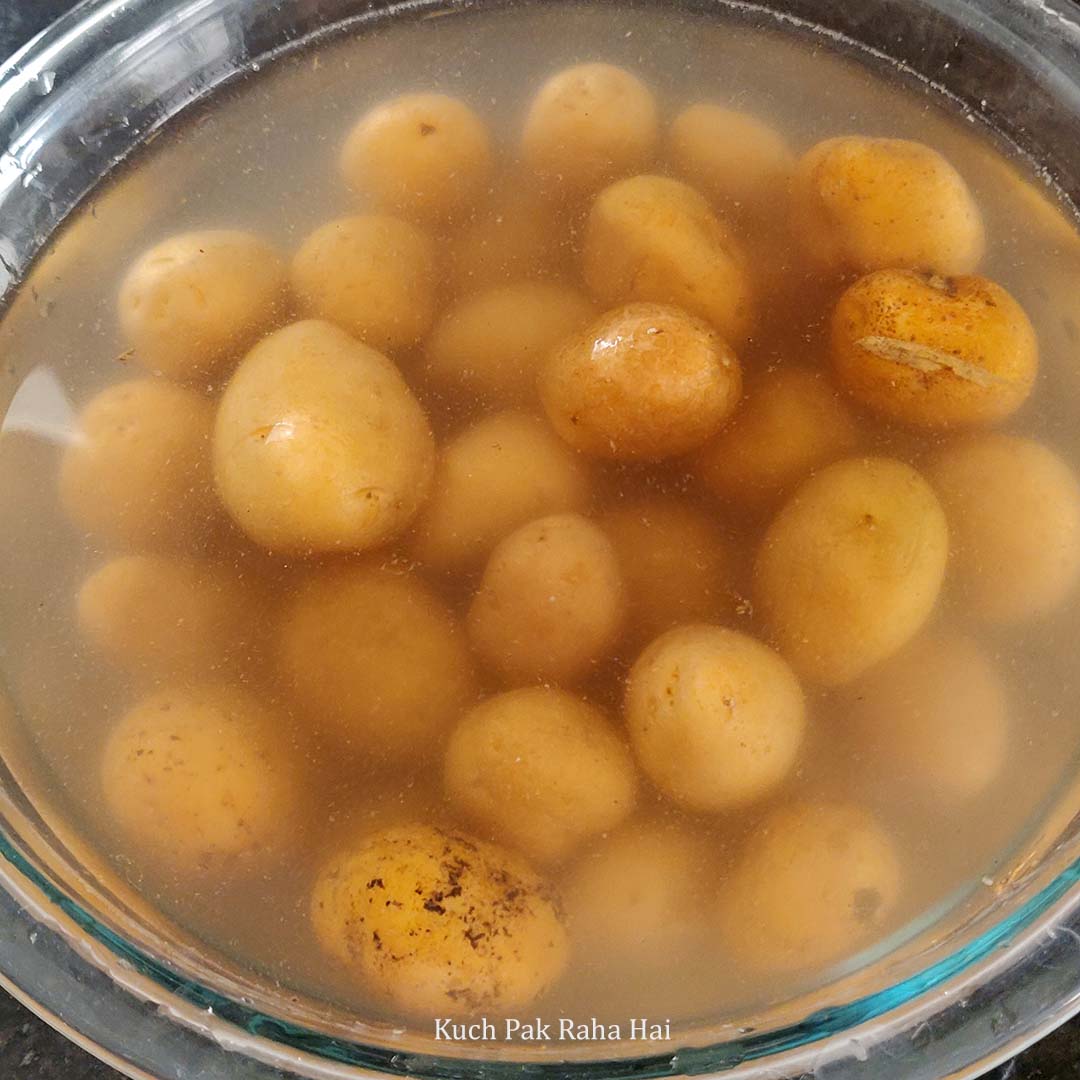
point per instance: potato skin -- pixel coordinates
(716, 718)
(644, 381)
(319, 445)
(436, 922)
(931, 351)
(851, 567)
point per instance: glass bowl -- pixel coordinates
(975, 982)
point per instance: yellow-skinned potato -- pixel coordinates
(197, 300)
(372, 656)
(1014, 515)
(493, 343)
(790, 422)
(716, 718)
(816, 882)
(873, 204)
(851, 567)
(319, 444)
(435, 922)
(644, 381)
(426, 156)
(587, 125)
(373, 276)
(551, 601)
(541, 770)
(652, 238)
(932, 351)
(494, 477)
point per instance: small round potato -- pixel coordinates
(932, 351)
(652, 238)
(1013, 508)
(493, 343)
(716, 718)
(494, 477)
(643, 381)
(195, 778)
(875, 204)
(319, 445)
(373, 276)
(373, 657)
(816, 882)
(588, 125)
(540, 770)
(550, 602)
(851, 567)
(435, 922)
(790, 423)
(199, 299)
(138, 474)
(425, 156)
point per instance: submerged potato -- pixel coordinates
(550, 602)
(435, 922)
(851, 567)
(197, 300)
(652, 238)
(875, 204)
(643, 381)
(716, 718)
(319, 444)
(1013, 508)
(540, 770)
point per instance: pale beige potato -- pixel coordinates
(716, 718)
(816, 882)
(137, 474)
(437, 923)
(494, 477)
(374, 276)
(657, 239)
(493, 343)
(643, 381)
(373, 658)
(541, 770)
(864, 204)
(319, 444)
(425, 156)
(587, 125)
(195, 301)
(1013, 507)
(550, 603)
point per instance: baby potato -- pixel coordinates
(493, 343)
(716, 718)
(652, 238)
(816, 882)
(550, 602)
(196, 778)
(933, 351)
(372, 656)
(1013, 508)
(197, 300)
(540, 770)
(425, 156)
(851, 567)
(875, 204)
(644, 381)
(436, 922)
(137, 474)
(373, 276)
(587, 125)
(319, 444)
(494, 477)
(790, 423)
